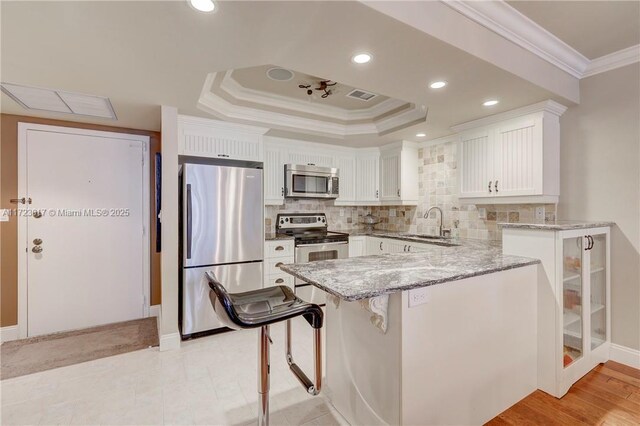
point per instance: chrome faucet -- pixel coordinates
(426, 215)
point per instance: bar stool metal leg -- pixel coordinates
(264, 372)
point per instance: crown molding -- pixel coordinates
(614, 60)
(222, 108)
(501, 18)
(549, 106)
(231, 86)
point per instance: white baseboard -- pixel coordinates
(154, 310)
(169, 342)
(9, 333)
(624, 355)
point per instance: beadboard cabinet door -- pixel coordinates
(201, 137)
(346, 165)
(477, 153)
(274, 161)
(310, 158)
(390, 175)
(367, 166)
(518, 160)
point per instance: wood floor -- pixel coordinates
(608, 395)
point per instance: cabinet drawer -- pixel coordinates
(279, 279)
(278, 248)
(271, 265)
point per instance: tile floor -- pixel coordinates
(209, 381)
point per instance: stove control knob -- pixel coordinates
(287, 220)
(323, 220)
(281, 221)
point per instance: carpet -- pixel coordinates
(27, 356)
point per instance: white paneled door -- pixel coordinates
(84, 242)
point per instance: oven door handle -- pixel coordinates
(322, 244)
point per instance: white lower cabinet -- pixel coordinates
(574, 316)
(357, 246)
(277, 252)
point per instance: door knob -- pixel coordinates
(37, 241)
(36, 249)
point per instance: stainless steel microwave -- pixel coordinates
(310, 181)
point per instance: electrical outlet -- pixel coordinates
(341, 212)
(540, 213)
(392, 212)
(418, 296)
(482, 213)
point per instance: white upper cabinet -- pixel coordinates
(311, 158)
(201, 137)
(518, 161)
(390, 175)
(511, 157)
(346, 165)
(399, 174)
(275, 157)
(476, 161)
(367, 182)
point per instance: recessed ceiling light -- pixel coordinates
(492, 102)
(203, 5)
(421, 135)
(438, 84)
(361, 58)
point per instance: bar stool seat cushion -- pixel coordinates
(261, 307)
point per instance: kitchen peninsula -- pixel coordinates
(459, 344)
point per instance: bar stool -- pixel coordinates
(261, 308)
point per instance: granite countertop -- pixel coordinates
(271, 236)
(558, 225)
(369, 276)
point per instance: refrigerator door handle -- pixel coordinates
(189, 221)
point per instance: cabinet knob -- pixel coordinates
(495, 185)
(398, 192)
(376, 193)
(405, 247)
(223, 155)
(380, 245)
(490, 185)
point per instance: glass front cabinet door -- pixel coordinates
(584, 302)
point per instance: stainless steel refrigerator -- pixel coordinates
(223, 232)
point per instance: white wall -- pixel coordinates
(169, 335)
(600, 180)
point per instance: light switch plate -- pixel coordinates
(418, 296)
(392, 212)
(341, 212)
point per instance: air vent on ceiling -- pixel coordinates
(58, 101)
(279, 74)
(361, 94)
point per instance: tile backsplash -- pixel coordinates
(438, 186)
(344, 217)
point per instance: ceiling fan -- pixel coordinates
(323, 85)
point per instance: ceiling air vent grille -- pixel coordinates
(361, 95)
(51, 100)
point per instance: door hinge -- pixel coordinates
(144, 230)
